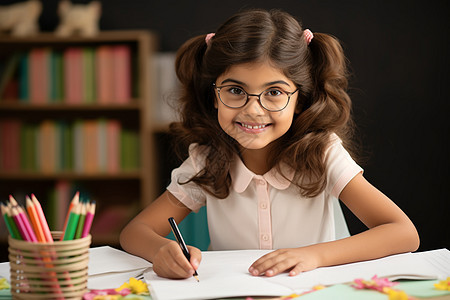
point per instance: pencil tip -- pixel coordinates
(196, 277)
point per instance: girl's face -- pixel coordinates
(252, 126)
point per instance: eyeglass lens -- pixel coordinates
(271, 99)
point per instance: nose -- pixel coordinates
(254, 105)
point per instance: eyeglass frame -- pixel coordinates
(258, 96)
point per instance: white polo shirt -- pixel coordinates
(265, 211)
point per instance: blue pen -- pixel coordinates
(180, 241)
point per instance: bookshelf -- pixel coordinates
(61, 138)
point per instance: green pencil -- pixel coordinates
(10, 224)
(81, 221)
(72, 223)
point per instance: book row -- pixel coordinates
(82, 146)
(75, 75)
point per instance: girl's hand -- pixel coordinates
(170, 262)
(296, 260)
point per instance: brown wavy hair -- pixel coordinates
(318, 69)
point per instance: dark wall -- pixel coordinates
(399, 59)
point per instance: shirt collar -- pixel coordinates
(241, 176)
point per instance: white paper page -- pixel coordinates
(225, 274)
(4, 270)
(422, 265)
(221, 274)
(110, 280)
(105, 260)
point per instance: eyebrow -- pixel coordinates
(266, 84)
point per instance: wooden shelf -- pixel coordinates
(135, 188)
(39, 176)
(113, 36)
(16, 106)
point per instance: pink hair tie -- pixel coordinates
(308, 36)
(209, 37)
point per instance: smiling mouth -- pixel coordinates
(249, 126)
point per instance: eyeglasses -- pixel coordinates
(272, 99)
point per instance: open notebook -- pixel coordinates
(225, 274)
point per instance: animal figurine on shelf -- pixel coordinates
(82, 19)
(20, 19)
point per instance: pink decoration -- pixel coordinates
(308, 36)
(377, 284)
(208, 38)
(94, 293)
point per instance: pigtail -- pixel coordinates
(198, 119)
(189, 60)
(332, 104)
(325, 109)
(192, 110)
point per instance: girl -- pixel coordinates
(265, 111)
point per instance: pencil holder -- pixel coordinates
(57, 270)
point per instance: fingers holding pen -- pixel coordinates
(196, 256)
(170, 262)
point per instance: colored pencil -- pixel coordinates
(34, 218)
(27, 223)
(81, 220)
(13, 201)
(15, 214)
(75, 200)
(42, 219)
(89, 218)
(10, 224)
(74, 216)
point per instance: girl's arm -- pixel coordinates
(145, 235)
(390, 232)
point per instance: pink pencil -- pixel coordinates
(42, 219)
(20, 225)
(24, 219)
(88, 221)
(27, 224)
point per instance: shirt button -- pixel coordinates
(262, 182)
(265, 237)
(263, 205)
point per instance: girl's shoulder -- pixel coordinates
(198, 151)
(197, 155)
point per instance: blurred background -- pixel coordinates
(398, 53)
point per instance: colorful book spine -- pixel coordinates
(56, 77)
(90, 146)
(8, 82)
(104, 74)
(73, 75)
(122, 74)
(65, 132)
(88, 61)
(27, 147)
(24, 78)
(39, 84)
(48, 149)
(113, 154)
(102, 149)
(10, 144)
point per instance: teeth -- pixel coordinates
(252, 127)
